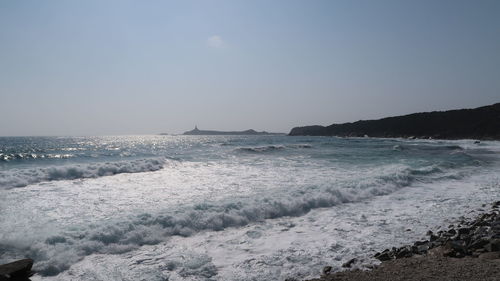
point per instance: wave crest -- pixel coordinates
(23, 177)
(271, 148)
(260, 149)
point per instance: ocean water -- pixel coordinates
(229, 207)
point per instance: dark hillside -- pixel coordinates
(478, 123)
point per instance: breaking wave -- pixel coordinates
(260, 149)
(23, 177)
(421, 147)
(271, 148)
(57, 253)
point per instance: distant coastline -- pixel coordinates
(478, 123)
(249, 132)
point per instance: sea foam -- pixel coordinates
(22, 177)
(58, 252)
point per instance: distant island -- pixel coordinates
(478, 123)
(252, 132)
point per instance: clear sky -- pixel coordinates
(139, 67)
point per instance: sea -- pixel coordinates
(230, 207)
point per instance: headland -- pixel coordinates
(479, 123)
(249, 132)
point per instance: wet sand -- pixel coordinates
(425, 268)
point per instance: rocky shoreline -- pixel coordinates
(467, 250)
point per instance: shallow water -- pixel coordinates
(228, 207)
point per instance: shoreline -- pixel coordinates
(468, 250)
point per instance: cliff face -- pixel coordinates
(478, 123)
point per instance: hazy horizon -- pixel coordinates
(128, 67)
(209, 129)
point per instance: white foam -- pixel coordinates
(297, 247)
(23, 177)
(118, 214)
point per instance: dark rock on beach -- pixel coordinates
(16, 271)
(478, 123)
(350, 263)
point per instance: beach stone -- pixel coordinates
(438, 251)
(384, 256)
(433, 237)
(493, 245)
(489, 256)
(403, 253)
(454, 249)
(326, 270)
(19, 270)
(349, 263)
(459, 255)
(414, 249)
(462, 231)
(481, 231)
(479, 243)
(418, 243)
(423, 248)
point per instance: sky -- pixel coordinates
(145, 67)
